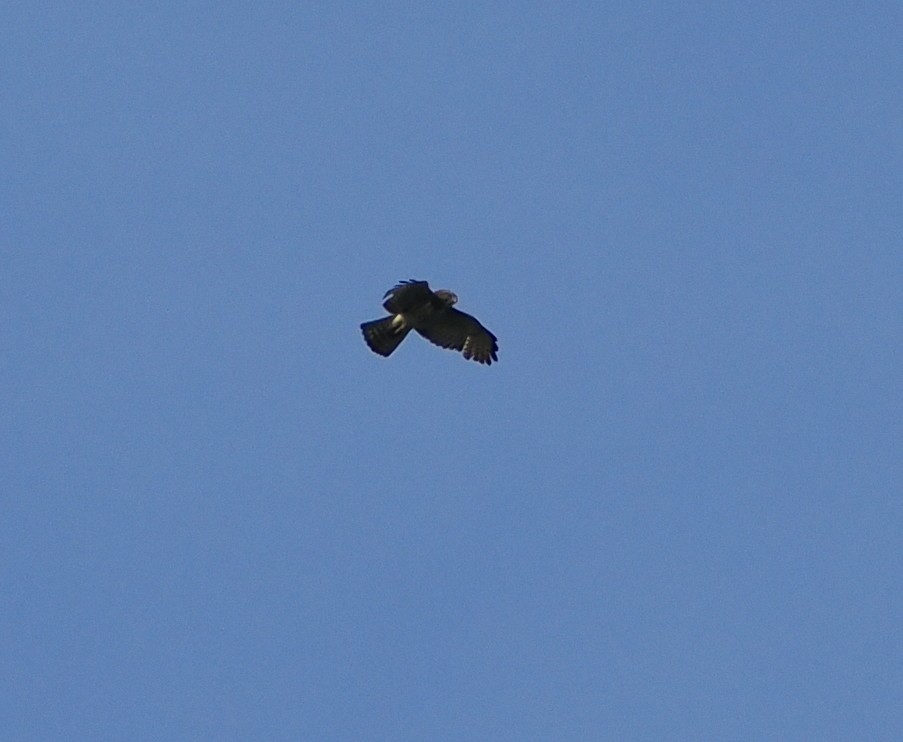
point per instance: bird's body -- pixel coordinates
(412, 305)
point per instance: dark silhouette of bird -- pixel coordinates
(412, 305)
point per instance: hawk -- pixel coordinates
(412, 305)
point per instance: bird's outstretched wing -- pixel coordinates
(459, 331)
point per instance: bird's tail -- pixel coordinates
(383, 336)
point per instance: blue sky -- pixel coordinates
(671, 511)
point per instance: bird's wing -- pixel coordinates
(459, 331)
(408, 295)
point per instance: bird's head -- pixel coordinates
(447, 296)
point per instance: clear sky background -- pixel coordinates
(671, 511)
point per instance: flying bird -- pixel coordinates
(412, 305)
